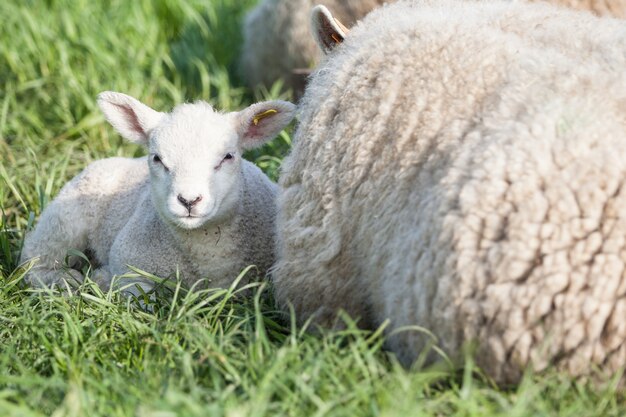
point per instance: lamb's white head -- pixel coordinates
(195, 152)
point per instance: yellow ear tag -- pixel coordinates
(338, 37)
(263, 115)
(341, 26)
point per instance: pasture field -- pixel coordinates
(206, 353)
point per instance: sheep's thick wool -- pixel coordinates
(460, 166)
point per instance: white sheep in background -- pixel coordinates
(278, 45)
(192, 205)
(460, 169)
(277, 39)
(609, 8)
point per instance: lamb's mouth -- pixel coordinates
(189, 221)
(191, 217)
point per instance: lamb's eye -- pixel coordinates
(228, 157)
(157, 160)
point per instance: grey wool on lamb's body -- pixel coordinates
(277, 39)
(192, 207)
(459, 168)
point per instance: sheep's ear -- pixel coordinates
(327, 31)
(263, 121)
(130, 117)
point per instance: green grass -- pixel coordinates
(209, 352)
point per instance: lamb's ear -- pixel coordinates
(327, 31)
(130, 117)
(263, 121)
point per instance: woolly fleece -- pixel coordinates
(460, 166)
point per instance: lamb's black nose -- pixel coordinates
(187, 203)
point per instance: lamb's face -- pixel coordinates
(195, 152)
(195, 166)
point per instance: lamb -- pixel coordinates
(277, 42)
(193, 205)
(460, 169)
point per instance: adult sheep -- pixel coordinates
(609, 8)
(193, 205)
(459, 169)
(277, 41)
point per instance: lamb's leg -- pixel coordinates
(103, 277)
(130, 287)
(64, 224)
(135, 286)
